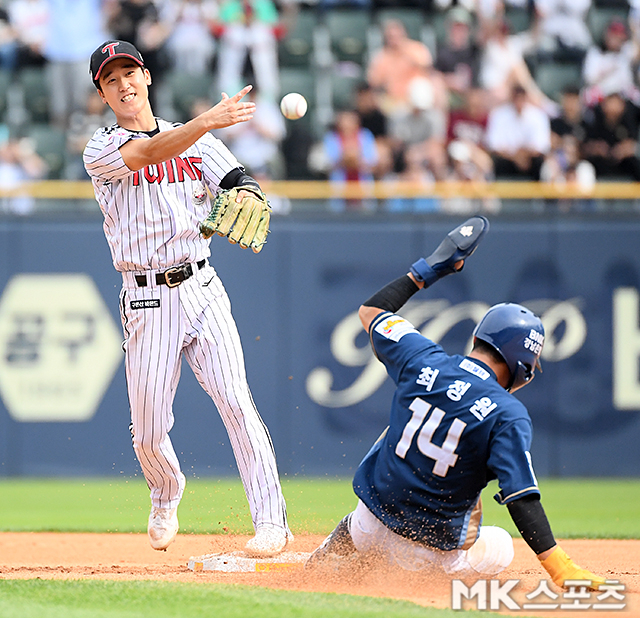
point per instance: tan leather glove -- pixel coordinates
(245, 222)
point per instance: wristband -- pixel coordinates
(423, 272)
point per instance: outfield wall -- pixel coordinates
(64, 408)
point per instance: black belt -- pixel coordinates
(172, 276)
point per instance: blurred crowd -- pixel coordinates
(474, 110)
(554, 97)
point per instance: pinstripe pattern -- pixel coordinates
(151, 224)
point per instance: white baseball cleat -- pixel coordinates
(268, 541)
(163, 527)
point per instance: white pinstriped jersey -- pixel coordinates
(151, 221)
(151, 224)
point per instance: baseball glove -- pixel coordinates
(245, 222)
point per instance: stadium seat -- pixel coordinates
(439, 25)
(33, 82)
(413, 19)
(518, 18)
(299, 80)
(186, 89)
(348, 34)
(5, 78)
(296, 49)
(429, 38)
(553, 77)
(599, 17)
(50, 143)
(343, 88)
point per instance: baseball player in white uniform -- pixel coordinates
(149, 177)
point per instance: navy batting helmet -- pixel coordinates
(517, 335)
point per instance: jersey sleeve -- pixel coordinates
(102, 158)
(217, 161)
(510, 460)
(395, 340)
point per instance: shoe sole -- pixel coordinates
(162, 546)
(264, 554)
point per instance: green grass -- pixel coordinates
(121, 505)
(111, 599)
(602, 508)
(580, 508)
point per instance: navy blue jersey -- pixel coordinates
(452, 429)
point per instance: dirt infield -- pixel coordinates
(128, 556)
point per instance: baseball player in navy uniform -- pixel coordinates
(149, 177)
(454, 426)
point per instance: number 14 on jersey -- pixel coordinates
(445, 455)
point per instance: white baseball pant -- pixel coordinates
(489, 555)
(193, 319)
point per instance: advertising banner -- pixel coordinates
(324, 397)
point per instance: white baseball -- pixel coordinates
(293, 106)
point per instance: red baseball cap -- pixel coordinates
(108, 51)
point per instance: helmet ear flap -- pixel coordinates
(522, 375)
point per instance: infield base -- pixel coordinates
(239, 562)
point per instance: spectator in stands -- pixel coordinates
(82, 125)
(569, 122)
(351, 155)
(257, 143)
(469, 163)
(466, 139)
(395, 65)
(469, 123)
(250, 27)
(490, 13)
(8, 42)
(503, 67)
(423, 126)
(191, 44)
(518, 137)
(458, 59)
(75, 30)
(562, 28)
(611, 137)
(19, 163)
(30, 21)
(140, 22)
(609, 66)
(417, 174)
(372, 118)
(563, 165)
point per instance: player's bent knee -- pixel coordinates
(492, 552)
(149, 443)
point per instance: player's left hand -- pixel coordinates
(562, 568)
(241, 213)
